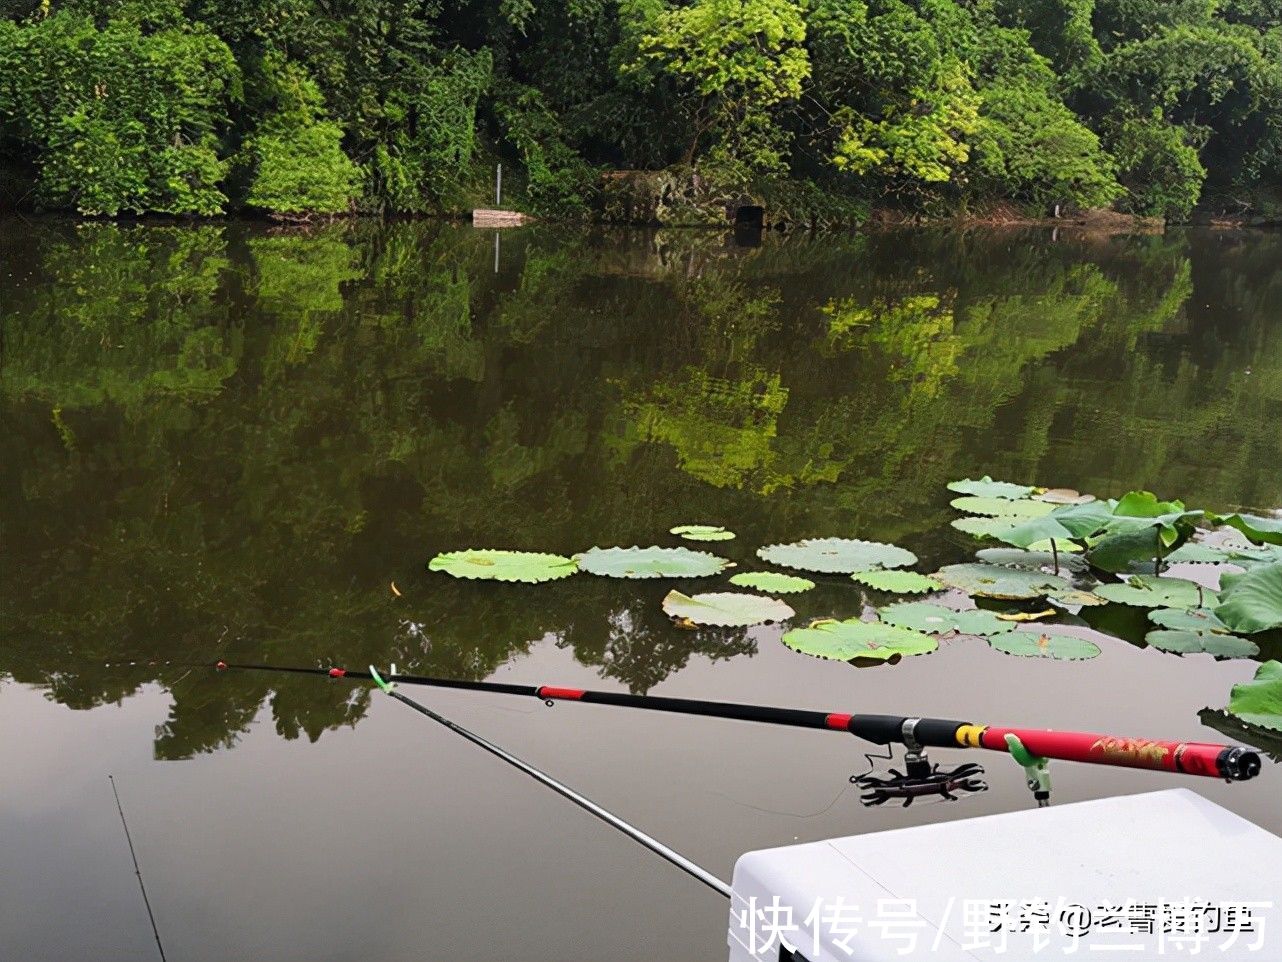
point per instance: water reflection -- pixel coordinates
(230, 440)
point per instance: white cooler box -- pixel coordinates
(1146, 877)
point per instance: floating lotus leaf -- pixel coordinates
(652, 562)
(1030, 643)
(1252, 601)
(986, 487)
(938, 620)
(1002, 507)
(1076, 596)
(530, 567)
(1264, 554)
(995, 581)
(774, 581)
(984, 527)
(1259, 702)
(1156, 592)
(1027, 615)
(897, 582)
(845, 640)
(1194, 552)
(1258, 529)
(1183, 642)
(837, 555)
(1201, 620)
(1065, 496)
(726, 609)
(702, 532)
(1033, 560)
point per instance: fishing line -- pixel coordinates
(853, 780)
(137, 871)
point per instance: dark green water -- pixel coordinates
(231, 441)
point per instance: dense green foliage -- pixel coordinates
(298, 106)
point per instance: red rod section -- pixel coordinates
(1190, 758)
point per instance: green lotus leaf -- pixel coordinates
(1259, 702)
(652, 562)
(1002, 507)
(773, 581)
(725, 609)
(938, 620)
(1071, 522)
(1146, 591)
(1120, 551)
(1144, 504)
(995, 581)
(981, 527)
(1076, 596)
(1268, 530)
(702, 532)
(845, 640)
(986, 487)
(837, 555)
(1030, 643)
(1182, 642)
(1252, 601)
(1064, 496)
(530, 567)
(1194, 552)
(897, 582)
(1265, 554)
(1203, 620)
(1033, 560)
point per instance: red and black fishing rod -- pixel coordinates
(1233, 763)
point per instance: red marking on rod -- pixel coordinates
(838, 721)
(337, 672)
(549, 691)
(221, 665)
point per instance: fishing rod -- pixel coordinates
(137, 871)
(1031, 747)
(585, 803)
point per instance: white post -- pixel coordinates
(498, 185)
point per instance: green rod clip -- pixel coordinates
(387, 686)
(1037, 770)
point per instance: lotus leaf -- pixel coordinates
(1076, 596)
(1065, 496)
(1268, 530)
(1252, 600)
(1002, 507)
(984, 527)
(938, 620)
(1156, 592)
(1184, 642)
(702, 532)
(1030, 643)
(837, 555)
(774, 581)
(1201, 620)
(1259, 702)
(1033, 560)
(986, 487)
(1194, 552)
(652, 562)
(897, 582)
(845, 640)
(995, 581)
(530, 567)
(727, 609)
(1265, 554)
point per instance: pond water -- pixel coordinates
(233, 441)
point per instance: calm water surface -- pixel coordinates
(230, 441)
